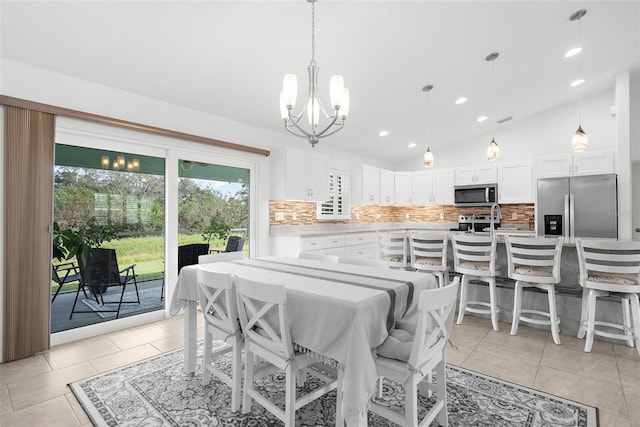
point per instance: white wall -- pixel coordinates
(634, 94)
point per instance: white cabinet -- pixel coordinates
(486, 174)
(306, 176)
(353, 245)
(431, 187)
(443, 182)
(387, 187)
(422, 187)
(574, 164)
(515, 182)
(370, 185)
(403, 192)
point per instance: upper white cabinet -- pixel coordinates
(422, 187)
(370, 185)
(574, 164)
(432, 187)
(306, 176)
(443, 182)
(403, 192)
(387, 187)
(486, 174)
(515, 182)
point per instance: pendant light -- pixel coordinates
(493, 151)
(428, 155)
(580, 141)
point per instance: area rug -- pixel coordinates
(149, 301)
(156, 392)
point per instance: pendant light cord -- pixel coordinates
(313, 32)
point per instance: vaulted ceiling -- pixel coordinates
(228, 57)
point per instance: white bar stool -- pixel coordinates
(475, 258)
(392, 246)
(429, 253)
(534, 263)
(609, 269)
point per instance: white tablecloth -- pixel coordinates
(337, 310)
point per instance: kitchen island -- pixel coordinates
(361, 241)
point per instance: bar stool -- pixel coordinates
(475, 258)
(609, 269)
(392, 246)
(535, 263)
(429, 253)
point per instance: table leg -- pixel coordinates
(190, 334)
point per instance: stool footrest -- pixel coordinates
(545, 321)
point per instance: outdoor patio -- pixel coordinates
(150, 292)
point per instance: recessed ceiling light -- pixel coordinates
(383, 133)
(461, 100)
(577, 82)
(481, 119)
(573, 52)
(411, 144)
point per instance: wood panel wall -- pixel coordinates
(28, 194)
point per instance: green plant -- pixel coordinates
(78, 241)
(216, 227)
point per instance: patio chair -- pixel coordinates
(188, 254)
(64, 273)
(101, 272)
(234, 244)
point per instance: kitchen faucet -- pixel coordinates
(494, 208)
(473, 223)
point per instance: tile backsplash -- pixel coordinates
(305, 213)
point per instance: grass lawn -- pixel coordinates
(147, 253)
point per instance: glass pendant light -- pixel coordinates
(580, 141)
(493, 151)
(428, 155)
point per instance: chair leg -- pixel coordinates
(553, 314)
(248, 380)
(591, 319)
(494, 304)
(411, 402)
(236, 372)
(446, 279)
(634, 300)
(208, 344)
(74, 302)
(463, 298)
(441, 390)
(583, 314)
(626, 319)
(290, 397)
(517, 307)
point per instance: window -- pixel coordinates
(338, 207)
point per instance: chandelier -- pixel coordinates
(120, 163)
(428, 155)
(339, 96)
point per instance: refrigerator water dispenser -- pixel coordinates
(553, 225)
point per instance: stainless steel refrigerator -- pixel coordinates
(579, 206)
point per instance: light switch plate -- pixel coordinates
(294, 216)
(514, 215)
(279, 216)
(406, 216)
(441, 215)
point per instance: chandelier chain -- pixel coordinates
(313, 32)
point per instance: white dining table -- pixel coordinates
(341, 311)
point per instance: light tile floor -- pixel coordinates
(34, 391)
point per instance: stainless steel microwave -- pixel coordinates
(476, 195)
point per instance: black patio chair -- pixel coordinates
(64, 273)
(188, 254)
(101, 272)
(234, 244)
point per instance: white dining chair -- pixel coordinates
(318, 257)
(426, 356)
(429, 253)
(364, 261)
(534, 263)
(262, 308)
(219, 310)
(609, 269)
(475, 258)
(392, 247)
(222, 256)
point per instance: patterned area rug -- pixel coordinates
(149, 301)
(156, 392)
